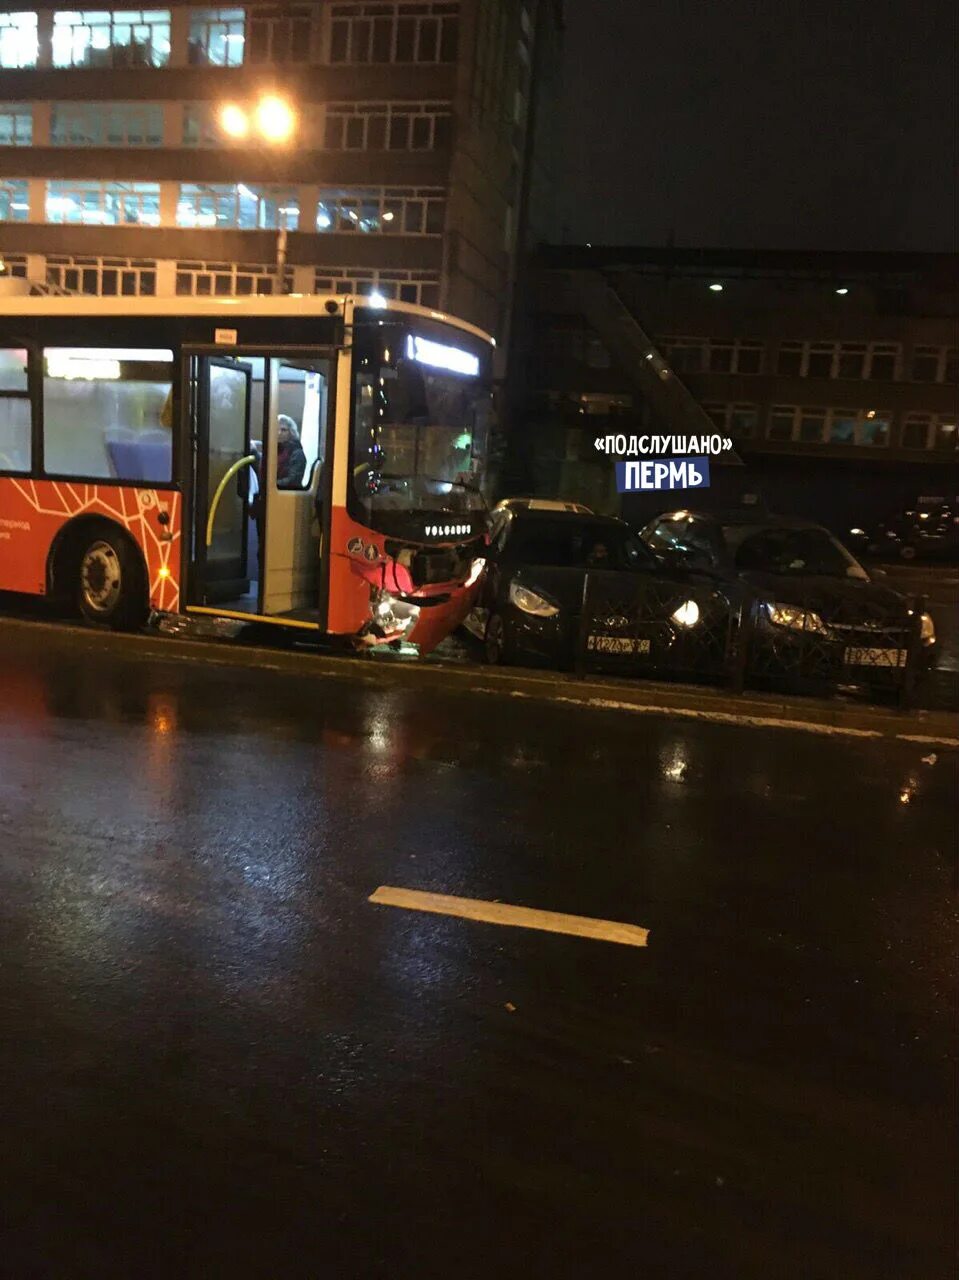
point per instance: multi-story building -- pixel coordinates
(835, 374)
(344, 145)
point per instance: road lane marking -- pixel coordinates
(444, 904)
(928, 741)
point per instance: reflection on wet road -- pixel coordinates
(218, 1058)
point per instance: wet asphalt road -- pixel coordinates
(217, 1059)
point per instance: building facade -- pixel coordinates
(835, 374)
(346, 145)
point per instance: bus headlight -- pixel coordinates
(392, 617)
(476, 568)
(531, 602)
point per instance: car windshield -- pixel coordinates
(576, 544)
(784, 550)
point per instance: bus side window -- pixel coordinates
(15, 414)
(105, 413)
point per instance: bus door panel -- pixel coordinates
(295, 479)
(224, 462)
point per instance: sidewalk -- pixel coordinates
(642, 697)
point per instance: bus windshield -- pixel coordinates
(420, 425)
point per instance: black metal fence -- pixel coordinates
(635, 625)
(665, 628)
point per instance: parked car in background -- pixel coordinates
(540, 504)
(924, 532)
(811, 613)
(567, 586)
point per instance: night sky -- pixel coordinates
(773, 125)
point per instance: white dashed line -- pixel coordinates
(629, 935)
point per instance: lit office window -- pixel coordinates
(111, 38)
(862, 427)
(16, 124)
(106, 124)
(92, 203)
(18, 40)
(237, 205)
(387, 126)
(201, 129)
(216, 37)
(394, 33)
(412, 211)
(14, 200)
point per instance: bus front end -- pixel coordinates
(408, 527)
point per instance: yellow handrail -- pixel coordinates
(248, 461)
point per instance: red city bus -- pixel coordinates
(311, 462)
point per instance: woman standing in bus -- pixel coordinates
(290, 458)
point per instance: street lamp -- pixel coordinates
(272, 117)
(275, 119)
(234, 121)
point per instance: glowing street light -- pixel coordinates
(275, 119)
(234, 121)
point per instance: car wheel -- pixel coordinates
(111, 584)
(496, 642)
(907, 552)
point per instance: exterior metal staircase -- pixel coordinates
(676, 409)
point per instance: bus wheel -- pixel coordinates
(111, 584)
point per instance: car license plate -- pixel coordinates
(617, 644)
(876, 657)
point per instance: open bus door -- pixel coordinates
(221, 410)
(262, 437)
(295, 497)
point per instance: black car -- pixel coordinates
(568, 588)
(811, 613)
(927, 531)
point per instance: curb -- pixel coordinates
(936, 728)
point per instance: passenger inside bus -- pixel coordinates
(290, 458)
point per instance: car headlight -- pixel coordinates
(927, 629)
(858, 533)
(531, 601)
(687, 615)
(795, 618)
